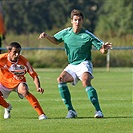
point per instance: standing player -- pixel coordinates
(13, 67)
(78, 44)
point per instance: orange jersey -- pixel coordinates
(11, 74)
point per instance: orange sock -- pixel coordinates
(3, 103)
(34, 103)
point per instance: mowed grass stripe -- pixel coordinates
(115, 95)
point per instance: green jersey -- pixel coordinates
(78, 46)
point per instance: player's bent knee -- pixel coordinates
(24, 93)
(1, 93)
(59, 79)
(86, 83)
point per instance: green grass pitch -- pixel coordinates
(114, 89)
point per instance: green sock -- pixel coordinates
(92, 95)
(65, 95)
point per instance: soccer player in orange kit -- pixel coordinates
(13, 67)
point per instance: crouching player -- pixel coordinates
(13, 67)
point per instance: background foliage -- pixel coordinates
(24, 16)
(107, 19)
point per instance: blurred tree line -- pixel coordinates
(110, 20)
(107, 17)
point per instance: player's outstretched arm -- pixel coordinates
(50, 38)
(105, 47)
(37, 83)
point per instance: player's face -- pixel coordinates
(77, 22)
(14, 54)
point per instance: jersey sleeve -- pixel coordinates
(97, 43)
(30, 69)
(3, 60)
(60, 35)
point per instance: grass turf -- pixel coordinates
(114, 89)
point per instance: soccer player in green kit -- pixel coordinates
(78, 45)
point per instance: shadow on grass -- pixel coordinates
(118, 117)
(113, 117)
(125, 117)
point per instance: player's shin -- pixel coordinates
(34, 103)
(92, 95)
(65, 95)
(3, 103)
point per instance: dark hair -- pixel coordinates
(77, 13)
(15, 45)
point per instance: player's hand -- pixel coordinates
(42, 35)
(107, 46)
(40, 90)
